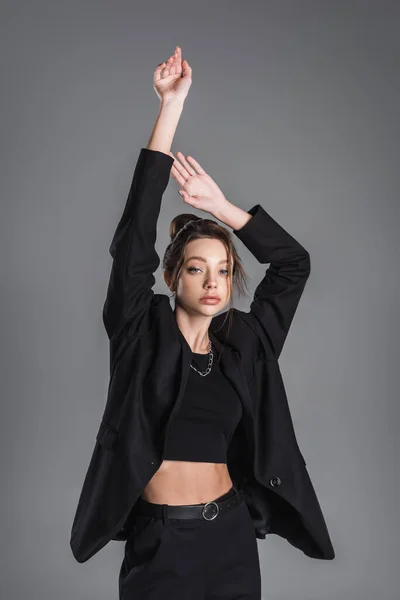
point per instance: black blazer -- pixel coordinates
(149, 365)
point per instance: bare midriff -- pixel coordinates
(187, 482)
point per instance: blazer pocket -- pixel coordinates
(107, 435)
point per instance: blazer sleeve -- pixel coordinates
(277, 296)
(132, 248)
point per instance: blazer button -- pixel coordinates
(274, 481)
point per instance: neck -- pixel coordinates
(203, 350)
(194, 330)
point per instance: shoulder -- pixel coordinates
(237, 330)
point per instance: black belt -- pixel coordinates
(209, 510)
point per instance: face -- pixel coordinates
(205, 275)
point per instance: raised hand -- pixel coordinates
(172, 79)
(197, 187)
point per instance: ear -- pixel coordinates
(167, 279)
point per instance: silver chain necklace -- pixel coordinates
(210, 361)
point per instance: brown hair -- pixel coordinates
(202, 228)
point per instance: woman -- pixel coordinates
(194, 470)
(196, 454)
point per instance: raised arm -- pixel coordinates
(133, 245)
(278, 294)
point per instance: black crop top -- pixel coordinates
(209, 413)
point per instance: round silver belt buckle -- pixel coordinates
(215, 510)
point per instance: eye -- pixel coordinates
(190, 269)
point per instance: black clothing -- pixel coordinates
(149, 368)
(210, 411)
(192, 559)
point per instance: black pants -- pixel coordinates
(192, 559)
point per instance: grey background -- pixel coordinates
(293, 105)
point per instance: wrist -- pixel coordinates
(172, 104)
(232, 215)
(222, 209)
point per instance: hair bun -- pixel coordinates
(180, 223)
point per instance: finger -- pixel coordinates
(172, 66)
(175, 69)
(157, 72)
(176, 66)
(185, 164)
(175, 163)
(196, 165)
(165, 68)
(191, 200)
(177, 176)
(175, 173)
(187, 69)
(181, 169)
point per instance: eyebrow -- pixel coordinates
(204, 260)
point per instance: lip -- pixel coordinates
(212, 300)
